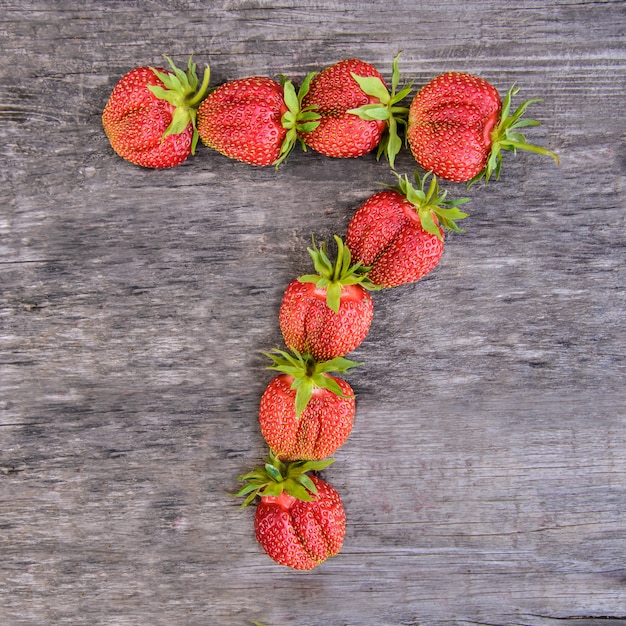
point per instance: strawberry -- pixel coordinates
(458, 127)
(300, 520)
(305, 412)
(398, 233)
(150, 117)
(355, 109)
(254, 119)
(328, 314)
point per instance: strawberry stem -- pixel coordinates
(276, 476)
(333, 277)
(296, 119)
(206, 77)
(386, 109)
(181, 90)
(433, 208)
(309, 374)
(506, 136)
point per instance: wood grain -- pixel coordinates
(485, 479)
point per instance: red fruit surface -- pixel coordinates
(386, 234)
(332, 93)
(134, 121)
(450, 123)
(322, 427)
(241, 119)
(310, 326)
(300, 534)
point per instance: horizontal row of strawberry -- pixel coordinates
(456, 125)
(307, 412)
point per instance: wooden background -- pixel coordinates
(485, 479)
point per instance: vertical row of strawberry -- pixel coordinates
(307, 412)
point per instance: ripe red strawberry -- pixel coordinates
(398, 233)
(306, 413)
(300, 520)
(328, 314)
(355, 109)
(150, 117)
(458, 127)
(253, 119)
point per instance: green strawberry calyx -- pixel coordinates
(296, 119)
(507, 136)
(183, 91)
(333, 277)
(276, 477)
(386, 109)
(433, 208)
(309, 374)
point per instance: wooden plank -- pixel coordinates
(485, 477)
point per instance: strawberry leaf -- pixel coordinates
(304, 87)
(428, 223)
(308, 127)
(395, 116)
(304, 393)
(371, 112)
(249, 499)
(333, 295)
(326, 382)
(372, 86)
(291, 99)
(179, 123)
(295, 489)
(339, 364)
(312, 466)
(272, 489)
(395, 73)
(273, 472)
(393, 143)
(525, 123)
(309, 278)
(162, 93)
(307, 483)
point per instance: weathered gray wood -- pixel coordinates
(485, 479)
